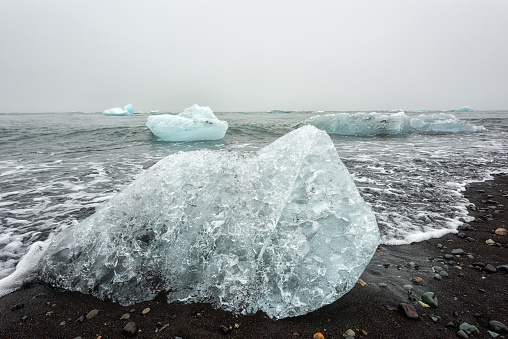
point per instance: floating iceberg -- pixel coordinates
(283, 230)
(193, 124)
(442, 122)
(392, 123)
(127, 110)
(362, 123)
(465, 109)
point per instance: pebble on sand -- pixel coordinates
(130, 329)
(145, 311)
(92, 314)
(501, 231)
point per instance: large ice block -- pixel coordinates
(442, 122)
(362, 123)
(193, 124)
(283, 230)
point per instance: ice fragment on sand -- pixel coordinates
(283, 230)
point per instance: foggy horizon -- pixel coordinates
(60, 56)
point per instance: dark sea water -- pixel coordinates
(57, 168)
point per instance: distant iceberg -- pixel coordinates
(362, 123)
(389, 123)
(442, 122)
(465, 109)
(128, 110)
(193, 124)
(283, 230)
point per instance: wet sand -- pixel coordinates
(470, 294)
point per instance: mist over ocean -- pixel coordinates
(57, 168)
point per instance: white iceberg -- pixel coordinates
(194, 124)
(128, 110)
(442, 122)
(362, 123)
(465, 109)
(283, 230)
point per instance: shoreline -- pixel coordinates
(469, 294)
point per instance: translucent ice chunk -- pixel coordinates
(195, 123)
(362, 123)
(283, 230)
(465, 109)
(127, 110)
(442, 122)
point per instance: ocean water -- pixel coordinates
(57, 168)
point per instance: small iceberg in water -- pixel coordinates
(465, 109)
(193, 124)
(389, 123)
(283, 230)
(442, 122)
(361, 123)
(128, 110)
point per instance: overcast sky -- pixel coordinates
(238, 55)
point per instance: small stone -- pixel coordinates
(444, 274)
(501, 231)
(462, 334)
(92, 314)
(437, 277)
(365, 332)
(490, 242)
(318, 335)
(408, 310)
(458, 251)
(469, 329)
(433, 318)
(80, 319)
(62, 323)
(25, 318)
(125, 316)
(493, 334)
(130, 329)
(225, 329)
(450, 324)
(132, 310)
(237, 326)
(470, 239)
(383, 285)
(490, 269)
(461, 235)
(408, 287)
(430, 298)
(145, 311)
(350, 333)
(498, 326)
(479, 264)
(448, 256)
(198, 315)
(17, 307)
(361, 282)
(422, 304)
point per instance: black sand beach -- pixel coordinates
(474, 292)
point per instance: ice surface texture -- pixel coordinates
(396, 123)
(283, 230)
(193, 124)
(127, 110)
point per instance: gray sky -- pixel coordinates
(234, 55)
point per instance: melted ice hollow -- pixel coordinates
(283, 230)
